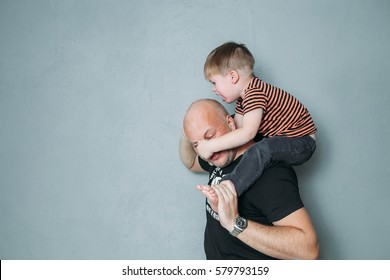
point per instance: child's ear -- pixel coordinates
(234, 76)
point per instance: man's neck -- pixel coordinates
(242, 149)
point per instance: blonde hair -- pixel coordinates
(227, 57)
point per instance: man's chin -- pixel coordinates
(217, 160)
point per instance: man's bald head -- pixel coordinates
(204, 110)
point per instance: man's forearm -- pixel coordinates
(292, 237)
(282, 242)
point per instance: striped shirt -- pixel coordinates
(283, 114)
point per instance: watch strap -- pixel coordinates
(236, 231)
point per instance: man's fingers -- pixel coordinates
(222, 192)
(229, 185)
(218, 192)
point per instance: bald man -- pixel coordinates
(268, 221)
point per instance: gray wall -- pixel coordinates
(92, 95)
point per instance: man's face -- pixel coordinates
(208, 127)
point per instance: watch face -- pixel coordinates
(241, 222)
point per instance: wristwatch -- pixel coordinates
(240, 223)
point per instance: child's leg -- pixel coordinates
(293, 151)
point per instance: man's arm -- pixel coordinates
(188, 156)
(292, 237)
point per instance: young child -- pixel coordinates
(287, 127)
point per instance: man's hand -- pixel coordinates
(227, 204)
(204, 149)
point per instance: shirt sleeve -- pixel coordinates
(254, 99)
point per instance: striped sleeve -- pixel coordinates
(254, 98)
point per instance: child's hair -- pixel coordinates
(229, 56)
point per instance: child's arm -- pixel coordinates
(188, 156)
(241, 135)
(238, 120)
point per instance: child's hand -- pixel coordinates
(204, 149)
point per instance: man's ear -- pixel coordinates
(230, 122)
(234, 76)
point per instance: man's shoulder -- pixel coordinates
(275, 193)
(278, 171)
(276, 178)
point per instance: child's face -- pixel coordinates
(224, 86)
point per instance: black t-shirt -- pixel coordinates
(274, 196)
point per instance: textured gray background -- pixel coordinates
(92, 95)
